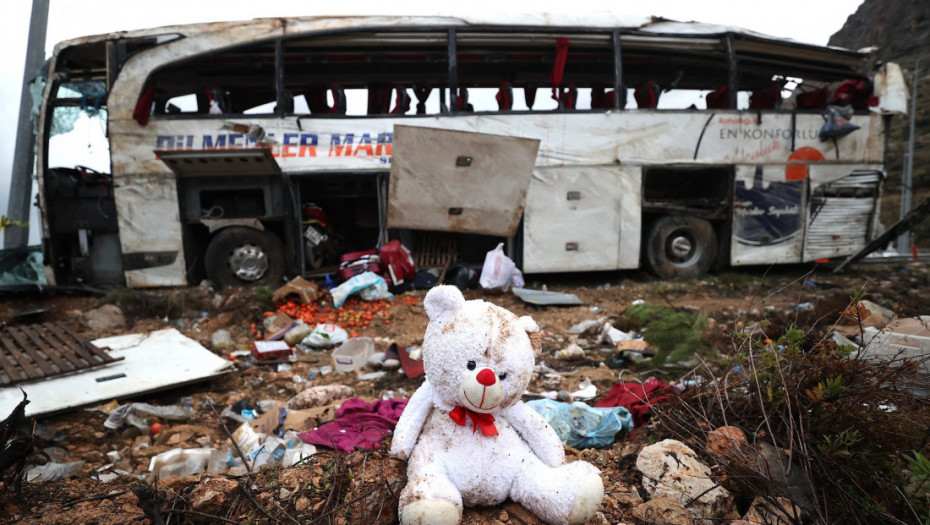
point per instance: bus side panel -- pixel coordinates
(768, 225)
(843, 202)
(150, 230)
(574, 217)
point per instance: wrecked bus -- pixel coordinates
(247, 151)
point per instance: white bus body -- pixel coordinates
(609, 188)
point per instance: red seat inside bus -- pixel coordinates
(647, 95)
(504, 97)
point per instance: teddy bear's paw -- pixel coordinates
(590, 494)
(432, 512)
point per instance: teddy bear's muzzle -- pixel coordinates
(481, 391)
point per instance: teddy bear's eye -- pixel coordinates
(471, 365)
(502, 375)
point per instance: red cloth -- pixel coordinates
(357, 425)
(637, 398)
(484, 421)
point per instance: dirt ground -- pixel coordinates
(308, 492)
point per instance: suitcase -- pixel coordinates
(352, 264)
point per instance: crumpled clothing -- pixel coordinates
(638, 398)
(357, 425)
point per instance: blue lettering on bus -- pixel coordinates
(210, 143)
(341, 146)
(290, 145)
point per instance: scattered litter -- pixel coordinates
(306, 291)
(580, 425)
(221, 339)
(118, 417)
(586, 390)
(637, 398)
(179, 462)
(353, 354)
(572, 352)
(544, 298)
(638, 302)
(325, 336)
(587, 326)
(277, 325)
(499, 272)
(371, 376)
(802, 307)
(357, 425)
(633, 344)
(612, 336)
(321, 395)
(265, 350)
(369, 285)
(410, 360)
(52, 471)
(297, 334)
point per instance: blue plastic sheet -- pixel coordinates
(580, 425)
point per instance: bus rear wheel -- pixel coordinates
(679, 247)
(242, 256)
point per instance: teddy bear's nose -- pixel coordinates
(486, 377)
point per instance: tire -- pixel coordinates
(239, 256)
(679, 247)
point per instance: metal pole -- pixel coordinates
(24, 152)
(904, 242)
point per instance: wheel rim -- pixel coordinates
(248, 262)
(681, 247)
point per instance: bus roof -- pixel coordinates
(656, 26)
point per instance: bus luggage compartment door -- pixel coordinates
(459, 181)
(582, 218)
(841, 214)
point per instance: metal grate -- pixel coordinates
(38, 351)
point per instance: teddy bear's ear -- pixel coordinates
(532, 330)
(443, 299)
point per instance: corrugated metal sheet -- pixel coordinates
(840, 215)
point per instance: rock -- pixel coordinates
(107, 318)
(725, 442)
(210, 494)
(670, 468)
(778, 512)
(319, 396)
(663, 510)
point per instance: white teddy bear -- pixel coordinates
(469, 438)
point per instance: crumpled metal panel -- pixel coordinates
(840, 211)
(149, 221)
(459, 181)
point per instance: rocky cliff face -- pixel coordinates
(900, 29)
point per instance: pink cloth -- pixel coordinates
(357, 425)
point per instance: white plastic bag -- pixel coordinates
(361, 283)
(499, 272)
(325, 336)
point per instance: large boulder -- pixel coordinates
(671, 469)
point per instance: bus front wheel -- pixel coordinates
(243, 256)
(679, 247)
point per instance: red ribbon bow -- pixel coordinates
(484, 421)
